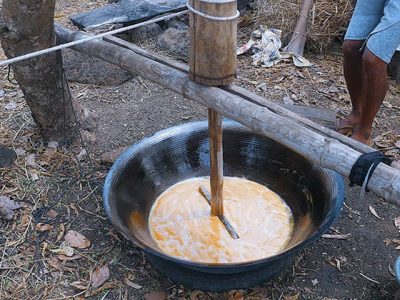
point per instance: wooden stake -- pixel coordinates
(299, 37)
(216, 160)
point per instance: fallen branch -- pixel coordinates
(337, 236)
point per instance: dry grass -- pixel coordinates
(328, 19)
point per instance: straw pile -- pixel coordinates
(328, 20)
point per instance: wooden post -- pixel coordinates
(299, 37)
(213, 41)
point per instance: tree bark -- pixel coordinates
(27, 26)
(299, 37)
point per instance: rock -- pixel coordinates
(242, 4)
(126, 12)
(175, 42)
(88, 137)
(86, 69)
(7, 207)
(110, 157)
(288, 101)
(174, 23)
(155, 295)
(145, 32)
(7, 157)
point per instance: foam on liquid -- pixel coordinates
(181, 224)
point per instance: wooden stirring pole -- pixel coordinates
(216, 158)
(217, 174)
(213, 43)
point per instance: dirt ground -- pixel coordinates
(60, 190)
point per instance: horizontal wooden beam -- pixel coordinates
(325, 151)
(300, 114)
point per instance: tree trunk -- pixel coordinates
(27, 26)
(299, 37)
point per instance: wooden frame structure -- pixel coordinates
(316, 143)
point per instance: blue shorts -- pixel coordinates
(378, 23)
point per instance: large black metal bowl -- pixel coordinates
(315, 196)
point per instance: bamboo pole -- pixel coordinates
(324, 151)
(299, 37)
(250, 96)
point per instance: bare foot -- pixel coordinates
(363, 135)
(345, 125)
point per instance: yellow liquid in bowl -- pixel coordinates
(181, 224)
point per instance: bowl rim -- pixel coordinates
(201, 126)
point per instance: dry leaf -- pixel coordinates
(53, 144)
(373, 211)
(45, 245)
(106, 286)
(64, 250)
(61, 230)
(99, 276)
(338, 264)
(391, 271)
(59, 16)
(236, 295)
(397, 144)
(30, 160)
(81, 285)
(292, 297)
(52, 213)
(155, 296)
(41, 227)
(34, 176)
(54, 263)
(335, 263)
(196, 295)
(63, 257)
(132, 284)
(7, 207)
(82, 154)
(397, 222)
(387, 242)
(76, 240)
(10, 105)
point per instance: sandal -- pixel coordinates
(346, 130)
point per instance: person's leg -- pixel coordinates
(367, 15)
(380, 47)
(352, 68)
(373, 86)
